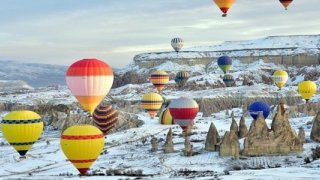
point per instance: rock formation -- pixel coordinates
(154, 144)
(234, 126)
(301, 134)
(227, 112)
(315, 132)
(280, 139)
(242, 128)
(212, 138)
(232, 115)
(230, 145)
(168, 145)
(187, 147)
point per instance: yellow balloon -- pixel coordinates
(159, 79)
(152, 102)
(280, 78)
(22, 129)
(307, 89)
(82, 144)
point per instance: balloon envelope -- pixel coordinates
(307, 89)
(183, 111)
(177, 44)
(224, 5)
(280, 78)
(159, 79)
(82, 144)
(228, 80)
(182, 78)
(165, 117)
(152, 102)
(22, 129)
(285, 3)
(257, 107)
(105, 117)
(225, 62)
(89, 80)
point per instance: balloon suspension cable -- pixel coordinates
(224, 15)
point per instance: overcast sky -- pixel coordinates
(62, 31)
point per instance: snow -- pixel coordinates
(125, 150)
(273, 45)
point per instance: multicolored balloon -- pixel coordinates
(257, 107)
(82, 144)
(280, 78)
(285, 3)
(89, 80)
(225, 62)
(177, 44)
(228, 80)
(159, 79)
(105, 117)
(182, 78)
(183, 111)
(166, 118)
(224, 5)
(152, 102)
(307, 89)
(22, 129)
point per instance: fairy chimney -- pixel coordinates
(301, 135)
(187, 147)
(212, 138)
(242, 128)
(234, 126)
(230, 145)
(154, 144)
(315, 132)
(168, 146)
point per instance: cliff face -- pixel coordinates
(287, 50)
(192, 58)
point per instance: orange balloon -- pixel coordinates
(89, 80)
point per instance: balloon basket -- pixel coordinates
(224, 15)
(22, 157)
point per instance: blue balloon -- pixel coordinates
(257, 107)
(224, 60)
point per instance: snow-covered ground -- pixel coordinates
(126, 151)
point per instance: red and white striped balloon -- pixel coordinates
(183, 111)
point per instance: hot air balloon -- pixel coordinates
(105, 117)
(182, 78)
(177, 44)
(257, 107)
(225, 62)
(286, 3)
(89, 80)
(159, 79)
(280, 78)
(152, 102)
(166, 118)
(82, 144)
(228, 80)
(307, 89)
(183, 111)
(22, 129)
(224, 5)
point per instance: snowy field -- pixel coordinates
(126, 151)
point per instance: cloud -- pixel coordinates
(59, 32)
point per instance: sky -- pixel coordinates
(63, 31)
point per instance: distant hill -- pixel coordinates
(34, 74)
(15, 85)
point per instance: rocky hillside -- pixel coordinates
(35, 74)
(288, 50)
